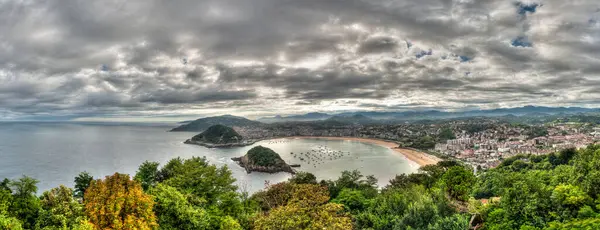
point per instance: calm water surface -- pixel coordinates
(55, 153)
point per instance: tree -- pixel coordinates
(446, 134)
(117, 202)
(274, 195)
(5, 185)
(303, 178)
(82, 182)
(353, 180)
(172, 168)
(307, 209)
(211, 187)
(424, 142)
(147, 174)
(25, 204)
(568, 200)
(59, 209)
(174, 211)
(458, 182)
(408, 208)
(353, 200)
(205, 181)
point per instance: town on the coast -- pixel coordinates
(479, 141)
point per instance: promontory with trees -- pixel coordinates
(263, 159)
(554, 191)
(218, 136)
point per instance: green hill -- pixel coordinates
(263, 156)
(262, 159)
(204, 123)
(218, 134)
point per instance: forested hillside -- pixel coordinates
(556, 191)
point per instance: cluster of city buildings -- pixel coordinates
(481, 143)
(488, 147)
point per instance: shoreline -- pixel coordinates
(421, 158)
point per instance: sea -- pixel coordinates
(55, 152)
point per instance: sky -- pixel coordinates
(156, 59)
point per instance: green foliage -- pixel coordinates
(5, 201)
(585, 224)
(229, 223)
(218, 134)
(352, 180)
(454, 222)
(12, 223)
(197, 177)
(59, 209)
(412, 207)
(543, 191)
(208, 187)
(458, 182)
(428, 176)
(263, 156)
(536, 131)
(174, 211)
(5, 185)
(172, 168)
(424, 142)
(274, 196)
(25, 204)
(353, 200)
(303, 178)
(147, 174)
(82, 182)
(446, 134)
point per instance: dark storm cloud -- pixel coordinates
(140, 57)
(196, 96)
(377, 45)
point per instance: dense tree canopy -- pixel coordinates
(307, 208)
(59, 209)
(263, 156)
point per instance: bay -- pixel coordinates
(55, 153)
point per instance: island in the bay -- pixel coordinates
(219, 136)
(262, 159)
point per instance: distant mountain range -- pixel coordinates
(204, 123)
(435, 114)
(380, 117)
(354, 119)
(303, 117)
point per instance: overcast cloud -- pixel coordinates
(86, 58)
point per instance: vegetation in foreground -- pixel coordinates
(555, 191)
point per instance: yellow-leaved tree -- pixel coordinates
(307, 209)
(117, 202)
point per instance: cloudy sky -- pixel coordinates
(86, 59)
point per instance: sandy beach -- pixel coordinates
(418, 157)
